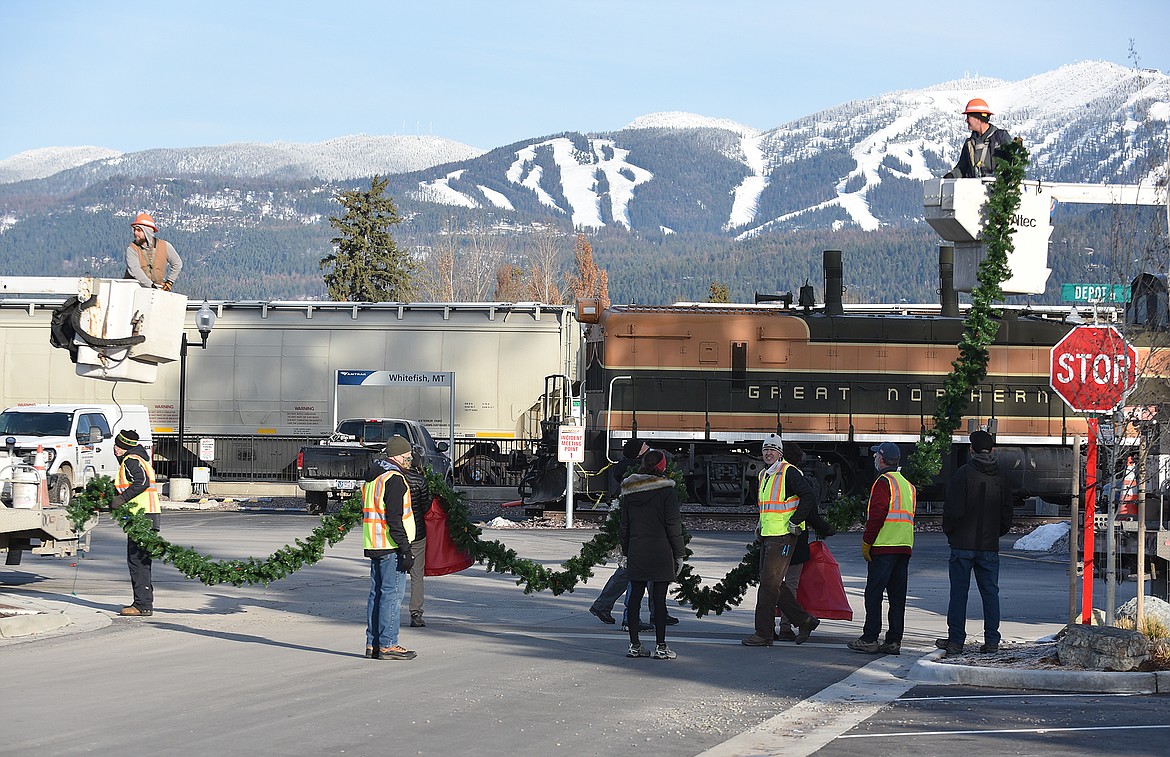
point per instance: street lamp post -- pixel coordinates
(205, 322)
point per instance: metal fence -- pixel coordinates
(478, 461)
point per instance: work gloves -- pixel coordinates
(405, 559)
(865, 551)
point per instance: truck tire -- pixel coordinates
(316, 502)
(61, 486)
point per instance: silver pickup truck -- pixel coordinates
(337, 465)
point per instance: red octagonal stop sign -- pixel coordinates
(1093, 368)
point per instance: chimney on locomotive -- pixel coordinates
(948, 297)
(834, 288)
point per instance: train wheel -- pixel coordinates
(480, 470)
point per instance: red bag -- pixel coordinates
(443, 556)
(821, 591)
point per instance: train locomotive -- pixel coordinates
(708, 382)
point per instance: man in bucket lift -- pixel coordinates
(985, 145)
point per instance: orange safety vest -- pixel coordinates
(156, 269)
(898, 528)
(374, 531)
(146, 501)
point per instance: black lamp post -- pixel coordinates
(205, 322)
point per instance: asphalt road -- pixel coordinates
(279, 669)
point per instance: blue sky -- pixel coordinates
(134, 76)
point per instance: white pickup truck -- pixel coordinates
(77, 445)
(78, 442)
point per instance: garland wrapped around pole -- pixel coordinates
(981, 324)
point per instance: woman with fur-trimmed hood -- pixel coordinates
(652, 541)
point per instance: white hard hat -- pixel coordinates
(774, 441)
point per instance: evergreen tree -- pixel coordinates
(366, 265)
(719, 292)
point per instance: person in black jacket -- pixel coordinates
(619, 583)
(977, 512)
(420, 504)
(983, 148)
(652, 541)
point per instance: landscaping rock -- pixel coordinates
(1155, 609)
(1102, 648)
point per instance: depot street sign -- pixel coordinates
(1093, 368)
(1095, 293)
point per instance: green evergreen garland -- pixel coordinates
(99, 493)
(923, 464)
(981, 324)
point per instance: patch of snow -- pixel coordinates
(440, 191)
(579, 173)
(746, 197)
(1044, 538)
(681, 120)
(501, 522)
(495, 198)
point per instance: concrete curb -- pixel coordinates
(15, 626)
(928, 670)
(36, 617)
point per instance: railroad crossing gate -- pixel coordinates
(1093, 368)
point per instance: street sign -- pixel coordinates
(571, 444)
(1092, 368)
(1095, 293)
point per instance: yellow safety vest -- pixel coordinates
(898, 528)
(374, 530)
(776, 507)
(147, 501)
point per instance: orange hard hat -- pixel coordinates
(144, 219)
(977, 105)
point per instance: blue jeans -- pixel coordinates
(887, 576)
(986, 567)
(383, 610)
(617, 585)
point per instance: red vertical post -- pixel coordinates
(1090, 512)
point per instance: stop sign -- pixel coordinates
(1092, 368)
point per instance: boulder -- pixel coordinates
(1155, 609)
(1102, 648)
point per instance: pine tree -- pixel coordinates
(366, 264)
(719, 292)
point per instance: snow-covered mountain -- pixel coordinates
(856, 166)
(46, 161)
(338, 159)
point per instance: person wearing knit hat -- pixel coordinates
(137, 489)
(977, 513)
(387, 531)
(619, 583)
(151, 261)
